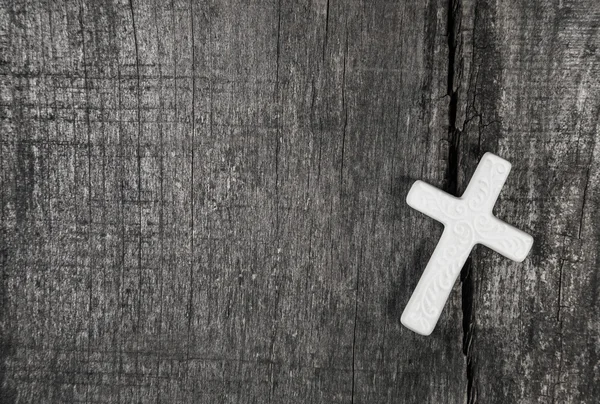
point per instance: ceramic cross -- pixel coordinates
(468, 221)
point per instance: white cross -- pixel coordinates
(468, 221)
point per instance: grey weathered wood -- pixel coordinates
(527, 84)
(204, 202)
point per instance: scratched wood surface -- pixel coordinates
(204, 202)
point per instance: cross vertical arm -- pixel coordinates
(487, 181)
(429, 298)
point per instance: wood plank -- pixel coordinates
(527, 88)
(205, 202)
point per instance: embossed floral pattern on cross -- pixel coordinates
(468, 221)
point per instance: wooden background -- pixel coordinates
(205, 202)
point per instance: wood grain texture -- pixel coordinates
(204, 202)
(527, 86)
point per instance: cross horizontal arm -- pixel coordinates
(502, 238)
(434, 202)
